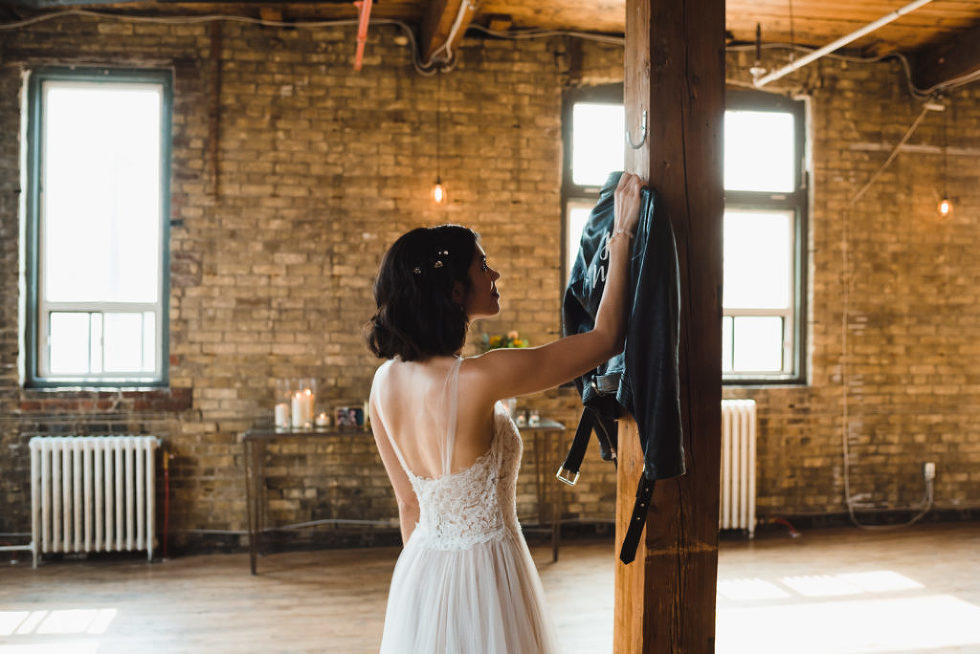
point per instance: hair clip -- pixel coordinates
(417, 270)
(440, 255)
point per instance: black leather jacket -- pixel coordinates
(643, 379)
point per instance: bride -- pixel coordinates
(465, 582)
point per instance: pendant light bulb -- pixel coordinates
(439, 192)
(945, 207)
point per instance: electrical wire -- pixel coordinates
(542, 34)
(420, 68)
(925, 505)
(891, 157)
(914, 91)
(449, 63)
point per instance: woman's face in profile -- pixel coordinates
(482, 300)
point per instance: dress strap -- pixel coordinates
(394, 445)
(452, 384)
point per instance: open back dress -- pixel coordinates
(465, 582)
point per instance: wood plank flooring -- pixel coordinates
(831, 591)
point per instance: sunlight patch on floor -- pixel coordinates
(750, 589)
(853, 626)
(59, 647)
(46, 626)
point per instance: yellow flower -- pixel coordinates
(495, 341)
(518, 342)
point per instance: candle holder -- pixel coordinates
(295, 399)
(284, 394)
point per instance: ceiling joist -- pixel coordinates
(442, 28)
(951, 59)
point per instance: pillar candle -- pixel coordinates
(282, 415)
(298, 409)
(308, 398)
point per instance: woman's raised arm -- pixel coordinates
(509, 372)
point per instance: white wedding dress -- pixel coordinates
(465, 582)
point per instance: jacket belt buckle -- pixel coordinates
(566, 476)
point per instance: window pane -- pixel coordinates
(758, 344)
(759, 151)
(726, 344)
(598, 142)
(123, 342)
(69, 343)
(101, 180)
(578, 215)
(149, 341)
(95, 342)
(758, 259)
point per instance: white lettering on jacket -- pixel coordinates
(599, 271)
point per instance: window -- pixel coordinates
(765, 244)
(764, 222)
(98, 165)
(593, 125)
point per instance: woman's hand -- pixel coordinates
(508, 372)
(627, 203)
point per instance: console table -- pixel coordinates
(254, 442)
(544, 440)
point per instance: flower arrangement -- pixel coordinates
(510, 339)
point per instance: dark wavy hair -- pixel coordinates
(416, 316)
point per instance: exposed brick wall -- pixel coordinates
(272, 259)
(900, 375)
(318, 169)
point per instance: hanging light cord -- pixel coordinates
(945, 153)
(792, 32)
(439, 130)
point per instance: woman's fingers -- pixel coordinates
(627, 203)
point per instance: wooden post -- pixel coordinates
(675, 70)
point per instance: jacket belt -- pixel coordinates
(605, 431)
(569, 471)
(644, 491)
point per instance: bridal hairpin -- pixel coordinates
(438, 263)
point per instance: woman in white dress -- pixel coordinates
(465, 582)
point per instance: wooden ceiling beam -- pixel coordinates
(437, 39)
(58, 4)
(948, 60)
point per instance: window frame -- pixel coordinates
(796, 201)
(35, 322)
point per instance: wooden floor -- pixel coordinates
(831, 591)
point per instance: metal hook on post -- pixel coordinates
(643, 133)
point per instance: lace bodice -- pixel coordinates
(474, 505)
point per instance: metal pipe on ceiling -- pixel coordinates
(839, 43)
(364, 6)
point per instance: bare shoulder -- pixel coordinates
(380, 377)
(478, 378)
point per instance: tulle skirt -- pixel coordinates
(486, 599)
